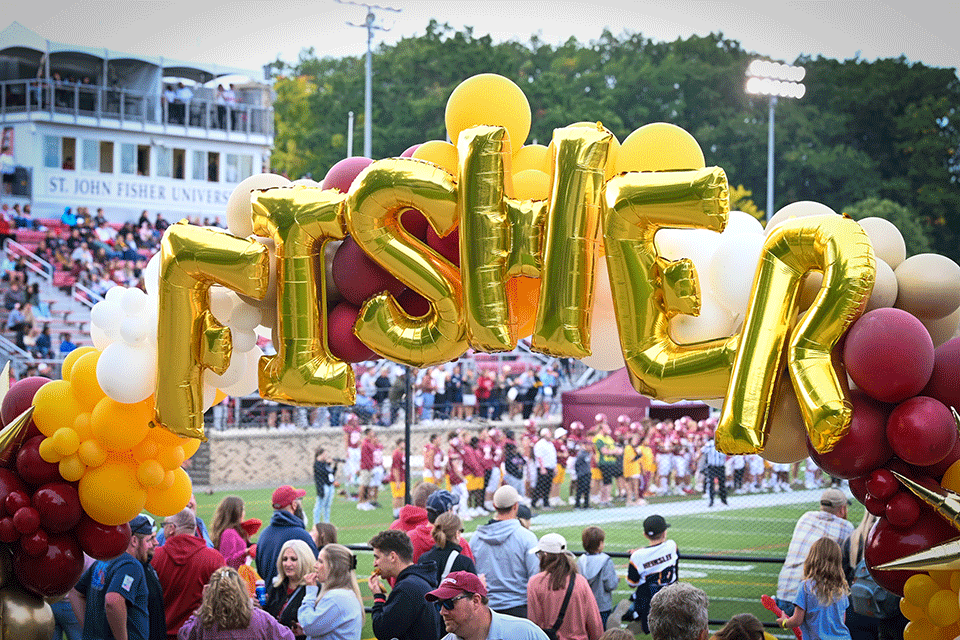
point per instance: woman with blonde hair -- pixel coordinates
(227, 532)
(446, 551)
(335, 611)
(227, 613)
(559, 598)
(288, 587)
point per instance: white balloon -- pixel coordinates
(114, 369)
(106, 315)
(740, 222)
(245, 316)
(713, 322)
(606, 354)
(885, 287)
(115, 293)
(801, 209)
(248, 382)
(221, 304)
(133, 330)
(238, 205)
(716, 403)
(732, 270)
(133, 301)
(235, 371)
(151, 275)
(888, 243)
(99, 337)
(243, 340)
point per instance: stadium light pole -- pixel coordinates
(370, 26)
(776, 81)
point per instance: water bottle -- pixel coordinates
(262, 593)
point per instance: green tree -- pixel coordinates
(912, 229)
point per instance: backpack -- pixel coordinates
(869, 598)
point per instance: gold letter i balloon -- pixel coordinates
(301, 220)
(840, 249)
(189, 338)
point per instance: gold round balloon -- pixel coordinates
(24, 616)
(787, 438)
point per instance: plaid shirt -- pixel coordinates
(812, 526)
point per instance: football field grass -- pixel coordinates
(747, 528)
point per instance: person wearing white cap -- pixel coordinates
(545, 455)
(501, 551)
(558, 598)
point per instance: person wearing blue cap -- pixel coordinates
(421, 536)
(110, 600)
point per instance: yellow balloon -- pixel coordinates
(920, 630)
(190, 446)
(439, 152)
(118, 426)
(489, 99)
(71, 359)
(83, 380)
(168, 501)
(170, 457)
(65, 442)
(91, 453)
(531, 156)
(951, 479)
(146, 450)
(659, 146)
(531, 184)
(919, 588)
(55, 406)
(168, 479)
(912, 611)
(82, 426)
(111, 493)
(150, 473)
(163, 436)
(943, 608)
(72, 469)
(942, 578)
(48, 450)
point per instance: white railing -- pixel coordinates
(84, 295)
(13, 250)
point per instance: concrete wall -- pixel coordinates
(253, 458)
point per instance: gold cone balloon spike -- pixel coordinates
(944, 501)
(13, 435)
(24, 616)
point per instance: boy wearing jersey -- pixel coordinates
(651, 568)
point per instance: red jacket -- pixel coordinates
(184, 564)
(410, 517)
(423, 541)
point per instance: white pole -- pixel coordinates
(350, 134)
(773, 104)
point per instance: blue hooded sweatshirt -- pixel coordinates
(283, 526)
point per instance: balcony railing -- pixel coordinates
(125, 105)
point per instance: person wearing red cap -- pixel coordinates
(286, 524)
(464, 607)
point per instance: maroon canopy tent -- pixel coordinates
(615, 396)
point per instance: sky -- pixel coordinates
(248, 34)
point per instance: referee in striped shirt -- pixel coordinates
(715, 469)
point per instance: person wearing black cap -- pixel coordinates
(651, 568)
(141, 529)
(110, 600)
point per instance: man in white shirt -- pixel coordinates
(545, 455)
(184, 96)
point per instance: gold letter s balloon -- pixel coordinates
(840, 249)
(301, 221)
(374, 203)
(189, 339)
(648, 289)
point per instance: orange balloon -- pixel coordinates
(147, 449)
(82, 426)
(72, 469)
(190, 446)
(91, 453)
(150, 473)
(170, 457)
(83, 379)
(166, 502)
(111, 493)
(163, 436)
(71, 359)
(55, 406)
(523, 296)
(118, 426)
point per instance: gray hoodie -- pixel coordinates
(600, 573)
(501, 551)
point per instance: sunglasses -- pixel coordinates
(450, 603)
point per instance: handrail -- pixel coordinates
(34, 262)
(85, 295)
(9, 346)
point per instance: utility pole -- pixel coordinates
(370, 26)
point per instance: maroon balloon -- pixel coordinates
(447, 246)
(865, 447)
(9, 481)
(903, 510)
(858, 487)
(415, 223)
(340, 338)
(358, 277)
(101, 541)
(408, 153)
(36, 543)
(18, 399)
(882, 484)
(936, 471)
(33, 469)
(922, 431)
(341, 175)
(8, 532)
(943, 384)
(875, 505)
(26, 520)
(16, 500)
(58, 504)
(889, 354)
(413, 303)
(53, 573)
(887, 543)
